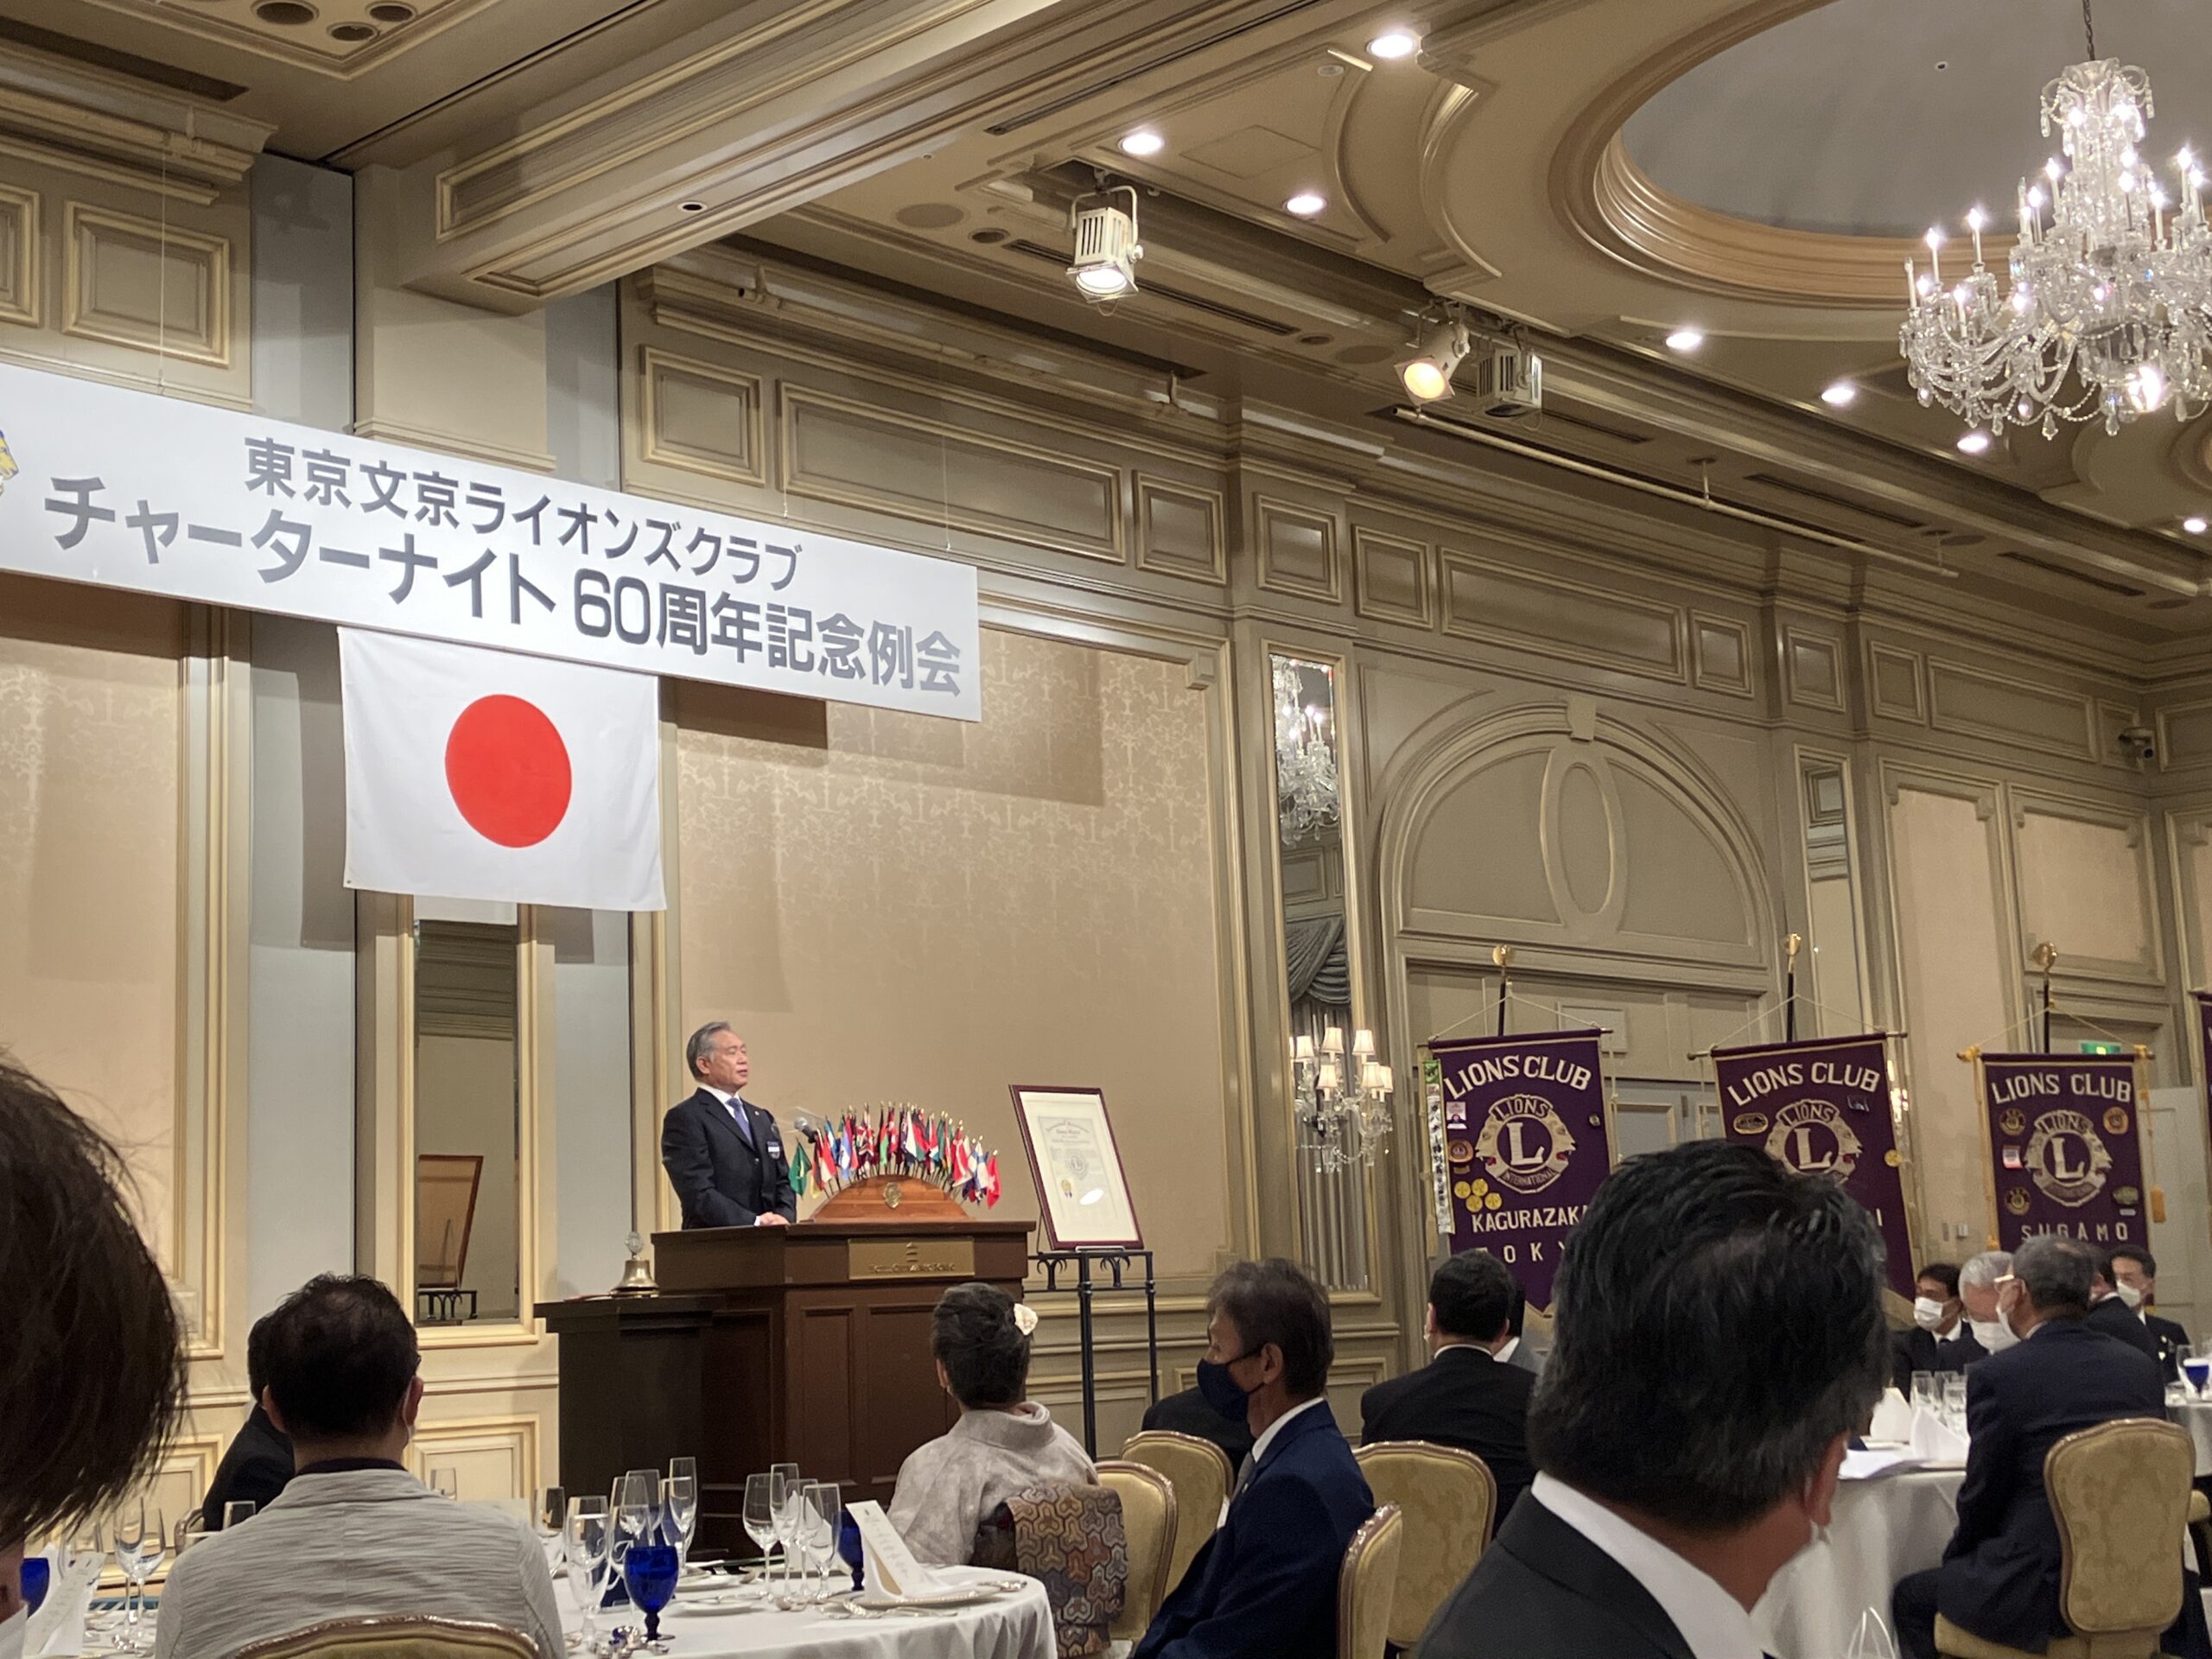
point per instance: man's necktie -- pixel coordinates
(737, 1116)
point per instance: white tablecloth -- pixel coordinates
(1013, 1627)
(2196, 1418)
(1883, 1529)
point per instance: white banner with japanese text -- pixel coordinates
(128, 489)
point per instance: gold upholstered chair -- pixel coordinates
(1200, 1473)
(1368, 1584)
(1149, 1524)
(1448, 1498)
(396, 1636)
(2119, 1492)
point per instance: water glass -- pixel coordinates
(760, 1514)
(445, 1483)
(2198, 1369)
(1954, 1393)
(38, 1578)
(1925, 1396)
(587, 1538)
(650, 1572)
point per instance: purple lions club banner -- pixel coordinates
(1822, 1107)
(2203, 1001)
(1524, 1122)
(2063, 1147)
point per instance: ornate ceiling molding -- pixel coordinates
(104, 126)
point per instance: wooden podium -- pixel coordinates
(806, 1345)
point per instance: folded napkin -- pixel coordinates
(1892, 1419)
(1934, 1440)
(58, 1627)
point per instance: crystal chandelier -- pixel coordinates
(2107, 308)
(1306, 758)
(1344, 1109)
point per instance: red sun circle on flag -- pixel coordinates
(508, 771)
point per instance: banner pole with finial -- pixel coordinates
(1502, 956)
(1793, 944)
(2046, 958)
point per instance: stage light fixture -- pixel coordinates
(1106, 245)
(1426, 375)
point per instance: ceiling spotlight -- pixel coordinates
(1426, 375)
(1143, 142)
(2194, 525)
(1392, 45)
(1975, 443)
(1685, 340)
(1841, 395)
(1306, 204)
(1106, 245)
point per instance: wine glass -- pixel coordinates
(820, 1508)
(649, 1572)
(141, 1543)
(680, 1513)
(760, 1515)
(786, 1477)
(445, 1483)
(238, 1509)
(547, 1520)
(679, 1467)
(587, 1538)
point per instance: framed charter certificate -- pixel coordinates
(1081, 1189)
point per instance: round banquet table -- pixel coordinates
(2196, 1416)
(1882, 1529)
(1018, 1626)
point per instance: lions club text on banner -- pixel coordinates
(2064, 1148)
(127, 489)
(1822, 1107)
(1524, 1120)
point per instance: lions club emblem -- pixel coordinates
(2066, 1157)
(1749, 1123)
(2013, 1121)
(2116, 1120)
(1811, 1137)
(2016, 1200)
(1525, 1144)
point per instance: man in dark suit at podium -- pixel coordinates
(723, 1154)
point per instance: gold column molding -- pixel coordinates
(124, 131)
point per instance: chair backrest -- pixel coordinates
(1070, 1539)
(1200, 1473)
(388, 1637)
(1449, 1498)
(1367, 1584)
(2121, 1494)
(1148, 1525)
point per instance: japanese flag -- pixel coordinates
(485, 774)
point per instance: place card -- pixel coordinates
(888, 1564)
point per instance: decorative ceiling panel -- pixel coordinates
(338, 37)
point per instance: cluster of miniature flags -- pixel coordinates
(896, 1140)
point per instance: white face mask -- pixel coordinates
(1927, 1313)
(1995, 1335)
(12, 1632)
(2129, 1295)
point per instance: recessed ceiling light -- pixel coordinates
(1975, 443)
(1392, 45)
(1841, 395)
(1143, 142)
(692, 206)
(1306, 204)
(1685, 339)
(2194, 525)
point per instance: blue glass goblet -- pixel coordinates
(650, 1572)
(38, 1576)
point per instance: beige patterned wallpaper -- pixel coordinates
(91, 709)
(895, 907)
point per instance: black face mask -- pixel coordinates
(1221, 1390)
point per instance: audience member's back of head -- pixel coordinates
(92, 1359)
(1719, 1325)
(341, 1355)
(1274, 1302)
(974, 1335)
(1473, 1296)
(2055, 1274)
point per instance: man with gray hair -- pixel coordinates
(1999, 1576)
(1981, 1333)
(724, 1155)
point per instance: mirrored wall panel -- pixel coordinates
(468, 1123)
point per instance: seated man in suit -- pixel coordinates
(1464, 1396)
(2135, 1281)
(1980, 1333)
(2114, 1313)
(1999, 1576)
(1936, 1311)
(1515, 1351)
(723, 1154)
(1188, 1413)
(258, 1462)
(1721, 1338)
(1264, 1586)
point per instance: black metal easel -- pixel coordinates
(1118, 1263)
